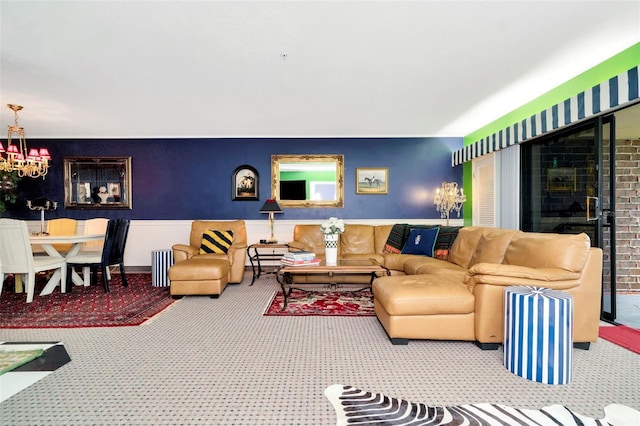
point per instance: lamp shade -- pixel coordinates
(270, 205)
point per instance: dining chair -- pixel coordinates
(62, 226)
(93, 226)
(17, 258)
(112, 254)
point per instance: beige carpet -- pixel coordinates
(221, 362)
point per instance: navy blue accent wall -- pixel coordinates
(182, 179)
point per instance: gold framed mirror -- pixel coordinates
(97, 182)
(308, 180)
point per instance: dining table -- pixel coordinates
(47, 243)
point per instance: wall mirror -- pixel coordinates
(97, 182)
(308, 180)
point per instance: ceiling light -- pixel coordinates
(32, 162)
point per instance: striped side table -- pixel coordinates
(538, 334)
(161, 261)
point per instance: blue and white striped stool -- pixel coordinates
(161, 261)
(538, 334)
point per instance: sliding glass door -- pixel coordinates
(567, 187)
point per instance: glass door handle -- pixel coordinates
(596, 204)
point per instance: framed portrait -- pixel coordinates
(561, 179)
(245, 184)
(372, 181)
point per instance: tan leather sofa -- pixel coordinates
(195, 273)
(462, 297)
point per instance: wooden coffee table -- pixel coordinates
(370, 267)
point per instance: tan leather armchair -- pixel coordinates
(235, 256)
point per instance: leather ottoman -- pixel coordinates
(415, 306)
(199, 276)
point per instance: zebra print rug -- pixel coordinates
(357, 407)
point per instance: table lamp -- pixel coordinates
(271, 206)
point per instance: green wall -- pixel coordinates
(613, 66)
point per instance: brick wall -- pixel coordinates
(627, 214)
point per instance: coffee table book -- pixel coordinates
(302, 262)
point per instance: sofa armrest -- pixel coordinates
(183, 252)
(238, 253)
(515, 271)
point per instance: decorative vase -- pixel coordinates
(331, 248)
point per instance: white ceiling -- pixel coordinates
(101, 69)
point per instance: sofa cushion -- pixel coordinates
(236, 226)
(423, 295)
(464, 246)
(492, 245)
(357, 239)
(214, 241)
(541, 250)
(309, 237)
(418, 265)
(380, 236)
(421, 241)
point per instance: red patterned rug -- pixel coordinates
(85, 306)
(323, 303)
(622, 335)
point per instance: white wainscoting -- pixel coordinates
(146, 236)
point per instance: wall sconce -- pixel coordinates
(42, 204)
(449, 197)
(271, 206)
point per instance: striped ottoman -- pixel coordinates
(538, 334)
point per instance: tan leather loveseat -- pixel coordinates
(208, 274)
(356, 242)
(462, 297)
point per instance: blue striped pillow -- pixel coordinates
(216, 241)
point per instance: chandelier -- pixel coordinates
(449, 197)
(32, 162)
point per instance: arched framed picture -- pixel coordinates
(245, 183)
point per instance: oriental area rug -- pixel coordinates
(85, 306)
(357, 407)
(622, 335)
(323, 303)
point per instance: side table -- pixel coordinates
(264, 253)
(538, 334)
(161, 261)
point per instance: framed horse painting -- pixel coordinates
(372, 180)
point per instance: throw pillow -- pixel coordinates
(396, 238)
(216, 241)
(421, 241)
(446, 237)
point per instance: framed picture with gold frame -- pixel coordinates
(561, 179)
(370, 180)
(97, 183)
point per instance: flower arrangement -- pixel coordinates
(333, 226)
